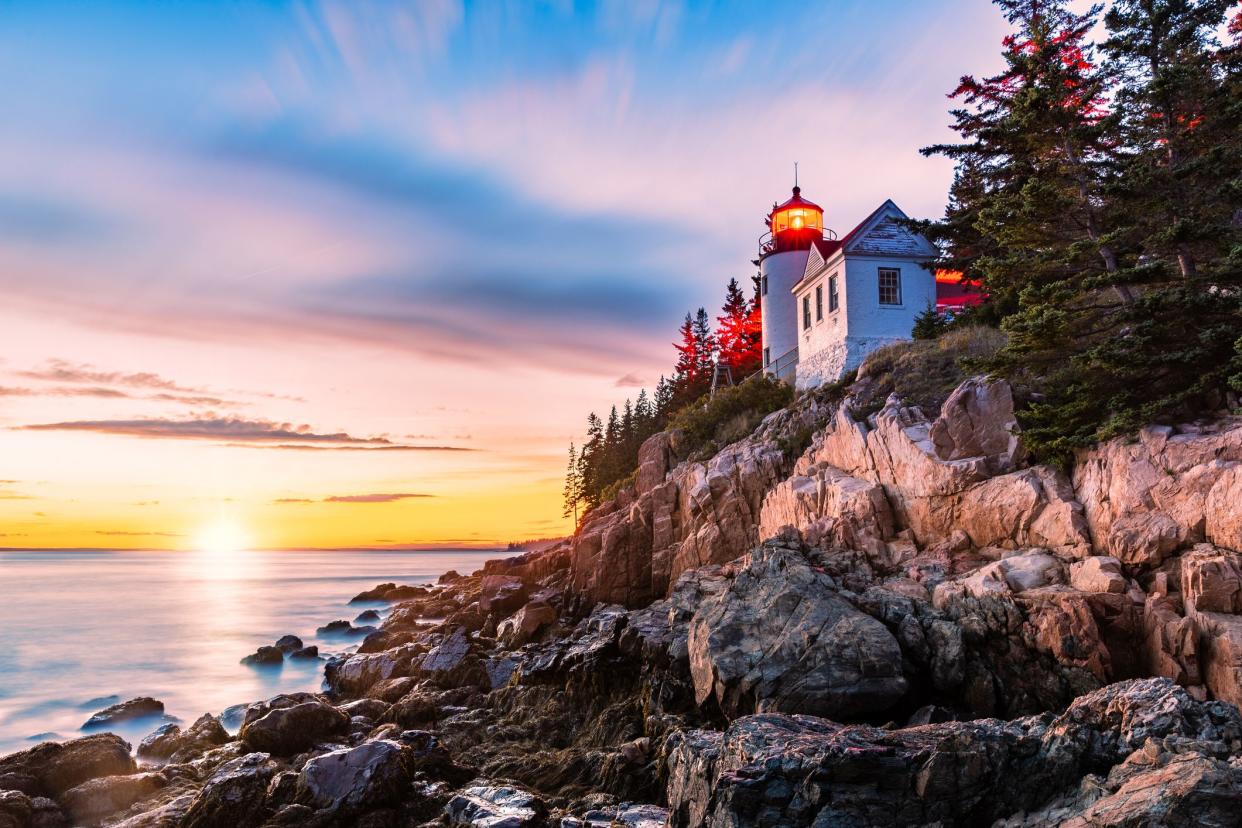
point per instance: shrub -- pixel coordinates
(712, 422)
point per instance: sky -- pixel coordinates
(352, 274)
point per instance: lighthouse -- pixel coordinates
(828, 302)
(793, 227)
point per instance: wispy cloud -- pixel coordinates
(230, 430)
(105, 393)
(59, 370)
(630, 380)
(374, 498)
(377, 497)
(118, 533)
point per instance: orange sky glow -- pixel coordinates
(335, 275)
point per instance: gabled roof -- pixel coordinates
(881, 234)
(827, 247)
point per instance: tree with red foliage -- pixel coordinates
(686, 371)
(737, 334)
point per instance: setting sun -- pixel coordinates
(222, 537)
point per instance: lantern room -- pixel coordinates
(794, 224)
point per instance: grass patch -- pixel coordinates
(925, 372)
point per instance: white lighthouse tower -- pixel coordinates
(792, 228)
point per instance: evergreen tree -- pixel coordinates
(644, 416)
(663, 403)
(629, 445)
(612, 450)
(686, 370)
(739, 347)
(591, 460)
(572, 492)
(929, 324)
(1174, 148)
(1118, 311)
(1026, 212)
(705, 348)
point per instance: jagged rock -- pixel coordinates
(139, 708)
(977, 420)
(368, 708)
(525, 624)
(235, 795)
(51, 768)
(288, 643)
(95, 799)
(780, 638)
(827, 507)
(1145, 499)
(770, 770)
(369, 776)
(632, 550)
(935, 496)
(1170, 642)
(486, 806)
(452, 664)
(1012, 574)
(450, 577)
(17, 810)
(305, 653)
(356, 674)
(169, 741)
(285, 725)
(368, 617)
(1099, 573)
(1063, 624)
(1212, 578)
(1167, 782)
(265, 656)
(501, 595)
(390, 592)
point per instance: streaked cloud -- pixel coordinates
(224, 429)
(374, 498)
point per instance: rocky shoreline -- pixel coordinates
(844, 619)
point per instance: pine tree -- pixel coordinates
(591, 460)
(929, 324)
(663, 403)
(705, 347)
(644, 416)
(612, 450)
(628, 435)
(1118, 312)
(1175, 149)
(1026, 208)
(572, 492)
(736, 336)
(685, 372)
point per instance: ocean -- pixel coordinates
(83, 629)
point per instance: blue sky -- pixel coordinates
(394, 210)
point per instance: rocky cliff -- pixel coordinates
(857, 615)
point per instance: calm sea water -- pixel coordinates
(77, 628)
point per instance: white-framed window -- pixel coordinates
(806, 312)
(767, 357)
(834, 298)
(765, 285)
(890, 285)
(819, 303)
